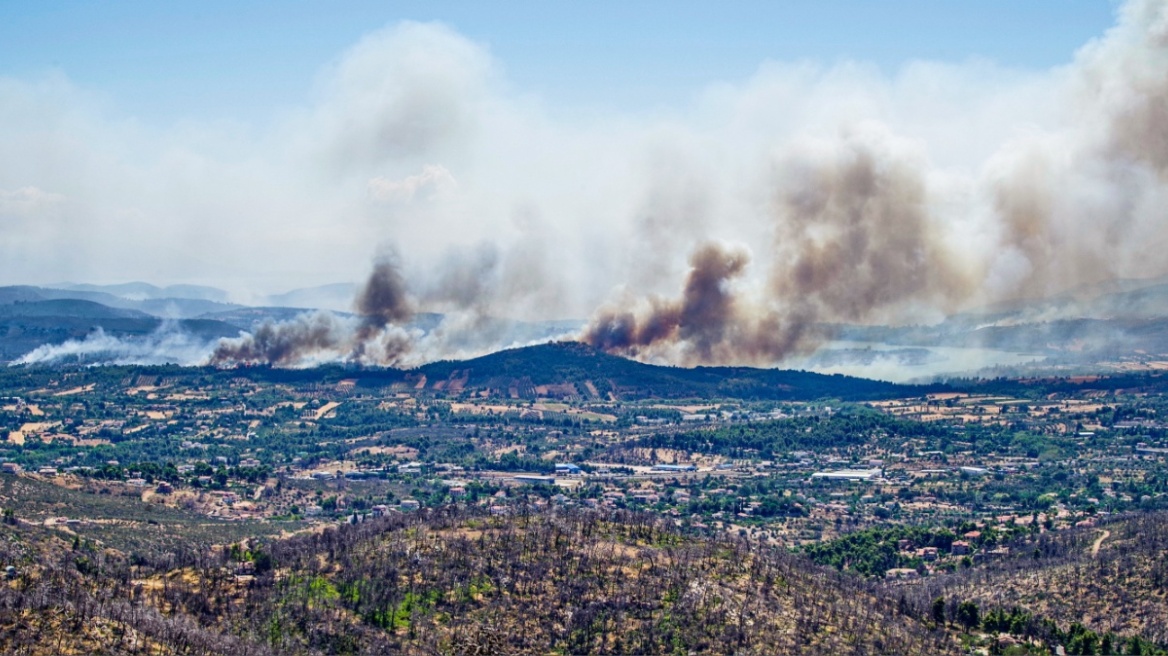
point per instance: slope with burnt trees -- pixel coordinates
(1100, 589)
(455, 582)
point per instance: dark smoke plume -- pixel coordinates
(374, 337)
(284, 343)
(383, 299)
(707, 319)
(382, 303)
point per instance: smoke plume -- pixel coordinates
(168, 344)
(865, 230)
(702, 315)
(742, 227)
(1086, 205)
(853, 242)
(375, 336)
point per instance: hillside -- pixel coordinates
(581, 369)
(24, 326)
(144, 290)
(565, 370)
(451, 582)
(1108, 578)
(182, 307)
(575, 370)
(72, 308)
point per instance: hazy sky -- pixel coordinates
(543, 158)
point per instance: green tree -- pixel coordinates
(968, 615)
(938, 611)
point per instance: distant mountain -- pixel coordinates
(337, 297)
(1083, 339)
(26, 325)
(21, 293)
(67, 307)
(247, 318)
(140, 291)
(164, 307)
(1113, 299)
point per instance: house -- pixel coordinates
(960, 548)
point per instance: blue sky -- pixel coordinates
(211, 60)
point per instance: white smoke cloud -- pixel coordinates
(27, 203)
(169, 344)
(432, 180)
(1034, 181)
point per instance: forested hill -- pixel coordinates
(563, 370)
(574, 370)
(595, 373)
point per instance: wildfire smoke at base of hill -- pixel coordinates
(374, 337)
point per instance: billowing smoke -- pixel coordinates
(305, 338)
(382, 331)
(168, 344)
(864, 230)
(374, 336)
(743, 227)
(707, 319)
(1088, 204)
(853, 242)
(383, 300)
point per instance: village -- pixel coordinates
(793, 474)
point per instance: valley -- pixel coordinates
(911, 489)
